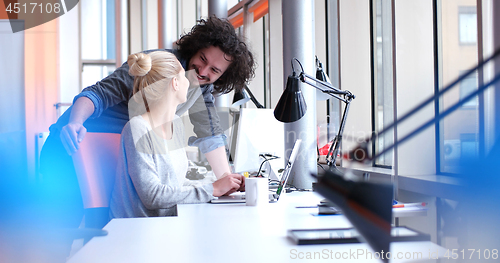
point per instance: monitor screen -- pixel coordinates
(254, 132)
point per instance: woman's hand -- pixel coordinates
(228, 184)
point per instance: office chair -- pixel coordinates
(95, 164)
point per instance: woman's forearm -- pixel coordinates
(218, 161)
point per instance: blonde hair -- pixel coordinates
(152, 74)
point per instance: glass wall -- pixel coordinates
(355, 70)
(415, 83)
(458, 53)
(437, 42)
(383, 79)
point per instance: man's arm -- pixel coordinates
(72, 134)
(91, 102)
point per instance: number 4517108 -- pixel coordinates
(31, 8)
(471, 254)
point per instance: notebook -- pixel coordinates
(239, 197)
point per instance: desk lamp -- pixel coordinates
(243, 96)
(292, 106)
(368, 206)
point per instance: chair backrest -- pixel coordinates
(95, 164)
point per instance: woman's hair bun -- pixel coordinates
(139, 64)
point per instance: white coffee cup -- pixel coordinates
(256, 191)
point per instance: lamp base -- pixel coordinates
(335, 170)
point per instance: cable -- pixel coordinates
(321, 166)
(289, 189)
(265, 160)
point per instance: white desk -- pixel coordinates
(230, 233)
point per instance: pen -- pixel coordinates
(409, 205)
(312, 206)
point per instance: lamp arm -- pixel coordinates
(253, 99)
(331, 157)
(304, 77)
(329, 92)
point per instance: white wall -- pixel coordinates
(15, 160)
(355, 67)
(135, 39)
(415, 83)
(320, 42)
(69, 56)
(275, 51)
(188, 15)
(152, 22)
(256, 44)
(93, 27)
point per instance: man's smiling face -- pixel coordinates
(209, 64)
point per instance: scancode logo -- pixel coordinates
(35, 12)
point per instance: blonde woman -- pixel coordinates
(152, 169)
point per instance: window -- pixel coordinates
(467, 86)
(467, 25)
(383, 78)
(459, 131)
(256, 32)
(98, 40)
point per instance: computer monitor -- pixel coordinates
(256, 131)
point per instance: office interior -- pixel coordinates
(392, 54)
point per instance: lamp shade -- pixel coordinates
(240, 97)
(291, 106)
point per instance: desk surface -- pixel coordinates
(234, 233)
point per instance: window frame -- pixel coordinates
(116, 59)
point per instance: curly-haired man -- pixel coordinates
(221, 62)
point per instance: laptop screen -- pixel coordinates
(288, 167)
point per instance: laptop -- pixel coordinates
(239, 197)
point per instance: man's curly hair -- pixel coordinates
(220, 33)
